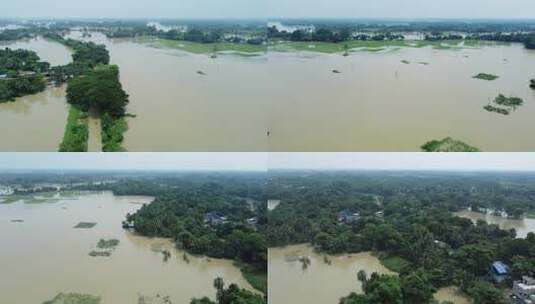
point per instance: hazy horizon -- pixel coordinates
(262, 161)
(263, 9)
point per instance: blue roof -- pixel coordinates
(500, 268)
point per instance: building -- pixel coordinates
(347, 217)
(524, 290)
(214, 218)
(6, 190)
(499, 272)
(252, 221)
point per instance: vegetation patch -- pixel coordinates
(113, 130)
(107, 244)
(532, 84)
(21, 73)
(74, 298)
(448, 144)
(405, 61)
(484, 76)
(504, 105)
(394, 263)
(85, 225)
(255, 277)
(99, 253)
(76, 132)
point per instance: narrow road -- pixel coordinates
(94, 143)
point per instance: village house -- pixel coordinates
(214, 218)
(252, 221)
(524, 290)
(499, 272)
(347, 217)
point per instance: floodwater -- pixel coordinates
(45, 255)
(294, 102)
(320, 283)
(522, 226)
(36, 122)
(452, 294)
(378, 103)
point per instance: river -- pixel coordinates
(522, 226)
(36, 122)
(320, 283)
(44, 255)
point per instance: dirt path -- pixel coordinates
(94, 143)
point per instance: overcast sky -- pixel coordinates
(404, 161)
(261, 161)
(272, 8)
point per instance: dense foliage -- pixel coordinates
(231, 295)
(100, 90)
(416, 225)
(20, 73)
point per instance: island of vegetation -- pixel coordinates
(74, 298)
(408, 218)
(448, 144)
(504, 105)
(532, 84)
(484, 76)
(21, 73)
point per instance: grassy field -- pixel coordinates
(371, 46)
(241, 49)
(393, 263)
(76, 132)
(257, 279)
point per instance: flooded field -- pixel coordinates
(452, 294)
(43, 255)
(319, 283)
(378, 103)
(395, 99)
(522, 226)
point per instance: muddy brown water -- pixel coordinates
(45, 255)
(320, 283)
(375, 103)
(522, 226)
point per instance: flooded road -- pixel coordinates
(320, 283)
(36, 122)
(522, 226)
(41, 249)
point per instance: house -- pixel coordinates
(3, 76)
(252, 221)
(347, 217)
(214, 218)
(379, 214)
(524, 290)
(499, 271)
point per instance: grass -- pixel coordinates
(204, 48)
(448, 144)
(113, 130)
(369, 46)
(85, 225)
(73, 298)
(484, 76)
(76, 133)
(394, 263)
(257, 278)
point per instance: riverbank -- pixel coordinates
(240, 49)
(76, 133)
(371, 45)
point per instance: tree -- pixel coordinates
(416, 288)
(100, 90)
(486, 293)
